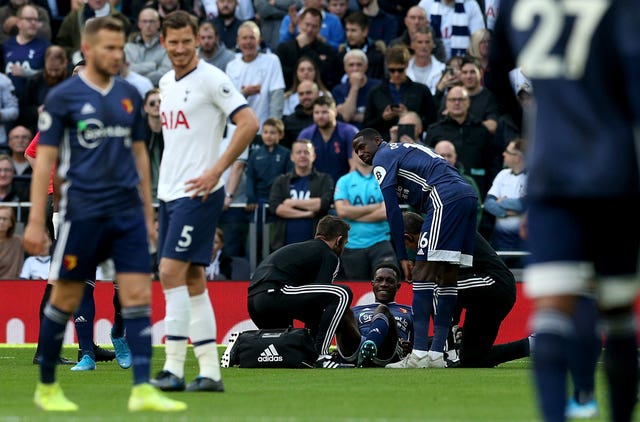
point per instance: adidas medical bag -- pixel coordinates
(273, 348)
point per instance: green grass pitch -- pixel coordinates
(499, 394)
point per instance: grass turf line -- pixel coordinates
(466, 395)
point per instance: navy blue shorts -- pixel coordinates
(604, 231)
(186, 228)
(448, 233)
(83, 244)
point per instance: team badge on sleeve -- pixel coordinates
(44, 121)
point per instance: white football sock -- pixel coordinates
(202, 329)
(176, 323)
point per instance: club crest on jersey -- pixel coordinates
(379, 173)
(70, 262)
(174, 120)
(127, 105)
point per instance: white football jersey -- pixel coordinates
(266, 71)
(194, 111)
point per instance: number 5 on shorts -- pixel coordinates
(185, 237)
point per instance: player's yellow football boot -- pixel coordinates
(145, 397)
(51, 398)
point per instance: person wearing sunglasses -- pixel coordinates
(396, 95)
(155, 141)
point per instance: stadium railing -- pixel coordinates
(253, 234)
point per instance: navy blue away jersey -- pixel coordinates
(94, 130)
(583, 58)
(417, 173)
(402, 314)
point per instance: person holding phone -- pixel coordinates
(408, 129)
(396, 95)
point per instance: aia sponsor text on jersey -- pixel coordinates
(174, 120)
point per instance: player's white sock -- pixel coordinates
(176, 325)
(419, 353)
(434, 355)
(202, 331)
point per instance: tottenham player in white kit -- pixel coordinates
(197, 100)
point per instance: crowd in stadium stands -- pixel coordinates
(311, 69)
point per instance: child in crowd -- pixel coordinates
(265, 164)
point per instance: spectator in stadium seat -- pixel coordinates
(257, 75)
(227, 23)
(71, 27)
(11, 252)
(9, 20)
(8, 189)
(443, 13)
(331, 30)
(140, 82)
(211, 49)
(9, 108)
(331, 139)
(472, 139)
(382, 25)
(351, 95)
(37, 86)
(448, 151)
(306, 70)
(155, 140)
(220, 266)
(36, 267)
(423, 67)
(303, 116)
(479, 48)
(271, 15)
(234, 219)
(265, 163)
(416, 18)
(23, 54)
(244, 10)
(396, 95)
(300, 198)
(164, 7)
(144, 51)
(505, 200)
(408, 118)
(358, 200)
(307, 43)
(340, 8)
(450, 78)
(357, 32)
(19, 138)
(484, 104)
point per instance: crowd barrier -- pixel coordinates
(21, 300)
